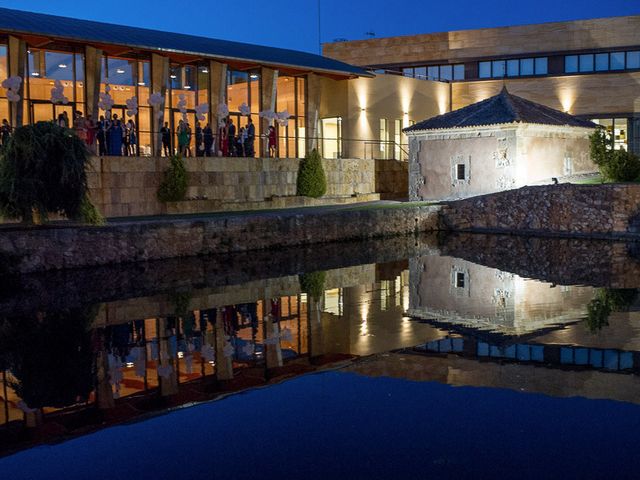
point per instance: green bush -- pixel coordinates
(174, 185)
(621, 166)
(43, 170)
(89, 213)
(313, 284)
(312, 181)
(606, 301)
(614, 165)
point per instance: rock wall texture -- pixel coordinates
(392, 179)
(126, 186)
(566, 209)
(53, 247)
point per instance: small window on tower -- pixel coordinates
(461, 171)
(460, 280)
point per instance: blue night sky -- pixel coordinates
(294, 23)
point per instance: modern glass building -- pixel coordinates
(87, 56)
(589, 68)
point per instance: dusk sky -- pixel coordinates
(294, 23)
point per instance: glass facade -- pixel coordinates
(4, 73)
(618, 130)
(515, 67)
(442, 73)
(602, 62)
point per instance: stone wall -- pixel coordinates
(126, 186)
(59, 247)
(392, 179)
(571, 210)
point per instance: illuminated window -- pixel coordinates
(458, 72)
(541, 65)
(633, 60)
(526, 66)
(484, 69)
(498, 68)
(602, 62)
(513, 68)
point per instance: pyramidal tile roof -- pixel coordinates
(500, 109)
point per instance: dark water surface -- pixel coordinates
(467, 356)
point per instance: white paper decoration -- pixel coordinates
(283, 118)
(244, 110)
(201, 111)
(223, 111)
(132, 106)
(12, 86)
(106, 101)
(57, 94)
(269, 115)
(155, 100)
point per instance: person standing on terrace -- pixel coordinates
(251, 137)
(207, 134)
(165, 133)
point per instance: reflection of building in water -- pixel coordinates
(454, 291)
(190, 345)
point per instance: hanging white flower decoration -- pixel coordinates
(12, 86)
(268, 114)
(132, 106)
(208, 353)
(244, 110)
(283, 118)
(155, 100)
(201, 111)
(223, 111)
(182, 106)
(228, 350)
(106, 101)
(286, 335)
(57, 94)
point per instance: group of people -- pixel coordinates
(114, 137)
(227, 143)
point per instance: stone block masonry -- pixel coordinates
(56, 247)
(597, 211)
(127, 186)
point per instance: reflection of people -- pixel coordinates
(223, 143)
(272, 141)
(251, 136)
(165, 132)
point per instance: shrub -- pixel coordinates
(313, 284)
(312, 181)
(620, 166)
(89, 213)
(606, 301)
(43, 170)
(614, 165)
(174, 185)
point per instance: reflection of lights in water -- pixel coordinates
(180, 354)
(129, 364)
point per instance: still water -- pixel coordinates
(471, 355)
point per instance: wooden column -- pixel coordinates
(269, 78)
(92, 77)
(17, 61)
(159, 84)
(313, 111)
(218, 92)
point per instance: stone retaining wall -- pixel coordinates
(565, 209)
(50, 248)
(392, 179)
(127, 186)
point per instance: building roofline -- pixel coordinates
(332, 66)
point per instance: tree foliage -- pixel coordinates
(606, 301)
(43, 171)
(174, 185)
(313, 283)
(50, 356)
(312, 181)
(615, 165)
